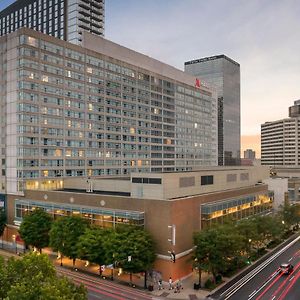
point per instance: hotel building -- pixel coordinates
(98, 109)
(64, 19)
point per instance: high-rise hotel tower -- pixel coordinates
(98, 109)
(64, 19)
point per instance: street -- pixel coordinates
(104, 289)
(266, 281)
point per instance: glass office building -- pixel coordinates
(70, 111)
(224, 74)
(59, 18)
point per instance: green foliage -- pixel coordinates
(34, 277)
(94, 246)
(217, 248)
(209, 284)
(35, 227)
(290, 214)
(223, 249)
(65, 233)
(2, 220)
(137, 244)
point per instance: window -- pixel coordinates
(206, 180)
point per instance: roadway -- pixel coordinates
(265, 281)
(99, 289)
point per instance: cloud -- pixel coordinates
(261, 35)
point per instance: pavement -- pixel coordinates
(263, 285)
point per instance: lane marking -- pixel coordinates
(259, 297)
(285, 281)
(290, 285)
(290, 259)
(252, 293)
(292, 277)
(239, 284)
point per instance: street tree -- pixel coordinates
(93, 246)
(217, 248)
(64, 235)
(135, 250)
(35, 227)
(290, 214)
(34, 277)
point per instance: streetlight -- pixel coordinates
(14, 242)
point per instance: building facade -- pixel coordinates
(223, 73)
(186, 202)
(280, 140)
(249, 154)
(95, 110)
(59, 18)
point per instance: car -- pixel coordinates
(286, 268)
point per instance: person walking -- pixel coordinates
(160, 286)
(170, 283)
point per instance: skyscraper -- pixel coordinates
(280, 140)
(223, 73)
(60, 18)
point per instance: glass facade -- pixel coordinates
(59, 18)
(224, 74)
(96, 216)
(79, 114)
(236, 209)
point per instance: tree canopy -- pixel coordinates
(35, 227)
(65, 233)
(34, 277)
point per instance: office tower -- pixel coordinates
(223, 73)
(94, 110)
(280, 140)
(249, 154)
(60, 18)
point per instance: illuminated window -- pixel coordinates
(90, 106)
(69, 74)
(89, 70)
(58, 152)
(45, 78)
(81, 153)
(69, 123)
(31, 76)
(195, 125)
(32, 41)
(107, 154)
(132, 163)
(68, 153)
(45, 173)
(132, 130)
(45, 122)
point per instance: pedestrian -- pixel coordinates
(170, 283)
(180, 284)
(177, 287)
(160, 286)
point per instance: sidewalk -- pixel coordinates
(187, 292)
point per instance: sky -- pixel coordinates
(262, 35)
